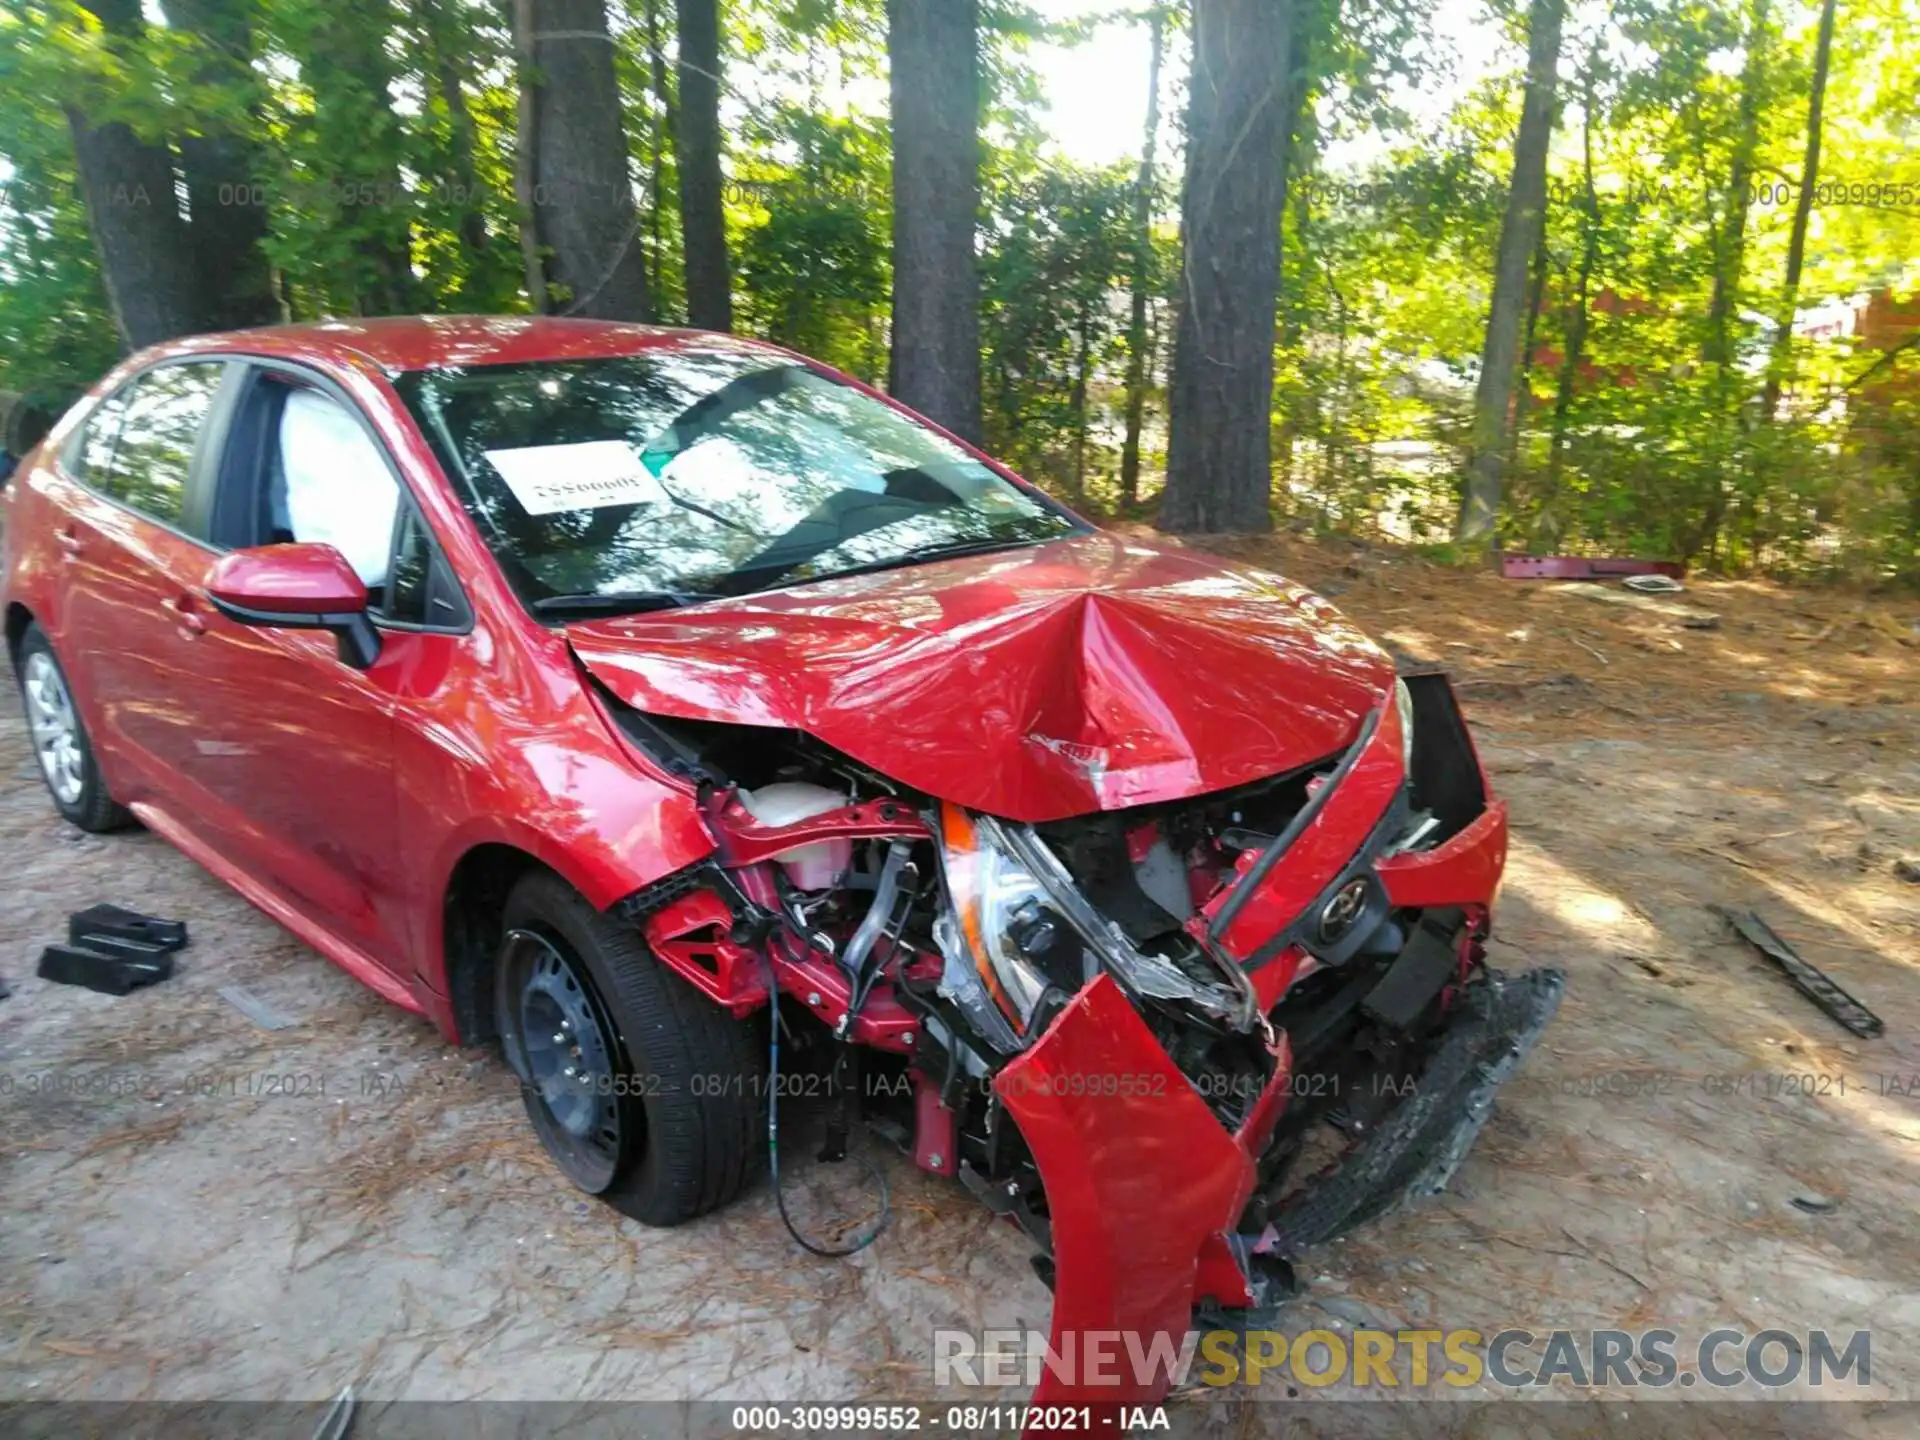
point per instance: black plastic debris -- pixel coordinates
(113, 950)
(109, 974)
(5, 989)
(1812, 981)
(124, 948)
(108, 927)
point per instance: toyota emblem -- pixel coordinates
(1343, 911)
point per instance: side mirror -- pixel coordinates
(297, 587)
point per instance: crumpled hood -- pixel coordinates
(1092, 673)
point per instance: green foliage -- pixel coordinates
(813, 251)
(55, 334)
(1053, 323)
(383, 135)
(343, 208)
(1648, 444)
(461, 144)
(643, 58)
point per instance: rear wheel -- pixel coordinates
(60, 742)
(643, 1091)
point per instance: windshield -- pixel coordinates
(701, 470)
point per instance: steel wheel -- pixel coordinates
(55, 728)
(569, 1048)
(670, 1121)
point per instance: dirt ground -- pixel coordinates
(195, 1208)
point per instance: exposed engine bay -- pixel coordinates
(933, 947)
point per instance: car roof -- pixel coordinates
(423, 342)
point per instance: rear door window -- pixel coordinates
(90, 454)
(159, 431)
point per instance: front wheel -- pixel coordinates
(643, 1091)
(60, 742)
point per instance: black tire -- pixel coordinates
(92, 808)
(684, 1119)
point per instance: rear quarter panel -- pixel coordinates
(31, 507)
(29, 568)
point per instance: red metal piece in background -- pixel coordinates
(1581, 567)
(1140, 841)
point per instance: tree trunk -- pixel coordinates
(1730, 244)
(1803, 206)
(703, 219)
(1576, 333)
(659, 140)
(585, 225)
(1220, 442)
(1526, 211)
(533, 258)
(1142, 275)
(1301, 136)
(222, 165)
(1729, 232)
(145, 251)
(1302, 140)
(1522, 385)
(933, 50)
(127, 186)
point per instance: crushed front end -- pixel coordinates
(1176, 1044)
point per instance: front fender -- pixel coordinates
(606, 830)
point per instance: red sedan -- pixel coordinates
(579, 686)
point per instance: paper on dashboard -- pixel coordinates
(590, 475)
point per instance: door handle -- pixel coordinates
(69, 542)
(190, 623)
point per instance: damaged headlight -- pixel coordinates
(1011, 930)
(1022, 923)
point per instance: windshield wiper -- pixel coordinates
(623, 602)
